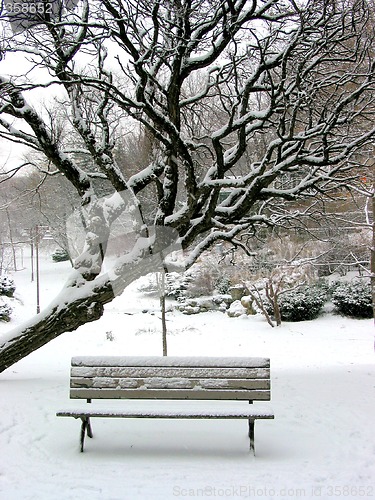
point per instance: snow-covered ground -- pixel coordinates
(320, 445)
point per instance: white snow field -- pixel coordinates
(320, 445)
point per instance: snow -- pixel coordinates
(183, 412)
(199, 361)
(320, 444)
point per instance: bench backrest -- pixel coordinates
(141, 377)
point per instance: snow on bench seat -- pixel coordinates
(254, 412)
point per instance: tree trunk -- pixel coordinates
(276, 310)
(56, 319)
(76, 305)
(11, 240)
(273, 298)
(255, 295)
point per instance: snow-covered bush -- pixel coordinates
(304, 303)
(148, 284)
(282, 281)
(222, 284)
(60, 255)
(7, 289)
(5, 311)
(353, 299)
(199, 281)
(177, 284)
(7, 286)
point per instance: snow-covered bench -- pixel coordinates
(171, 378)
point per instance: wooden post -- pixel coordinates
(32, 254)
(37, 269)
(160, 279)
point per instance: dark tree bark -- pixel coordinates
(251, 106)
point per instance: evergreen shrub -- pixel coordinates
(302, 304)
(353, 299)
(177, 284)
(7, 286)
(5, 312)
(60, 255)
(222, 284)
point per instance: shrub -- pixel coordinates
(222, 285)
(353, 299)
(60, 255)
(7, 286)
(176, 284)
(5, 312)
(302, 304)
(196, 282)
(201, 282)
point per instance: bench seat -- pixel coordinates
(256, 412)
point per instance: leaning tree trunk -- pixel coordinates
(51, 323)
(78, 303)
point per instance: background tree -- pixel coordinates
(248, 106)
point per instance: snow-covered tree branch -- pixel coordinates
(246, 106)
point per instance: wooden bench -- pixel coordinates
(171, 378)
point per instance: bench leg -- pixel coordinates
(85, 427)
(251, 434)
(89, 429)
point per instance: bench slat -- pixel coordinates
(141, 372)
(167, 383)
(87, 393)
(165, 361)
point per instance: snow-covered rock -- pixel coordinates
(236, 309)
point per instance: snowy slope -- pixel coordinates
(321, 443)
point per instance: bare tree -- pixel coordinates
(237, 97)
